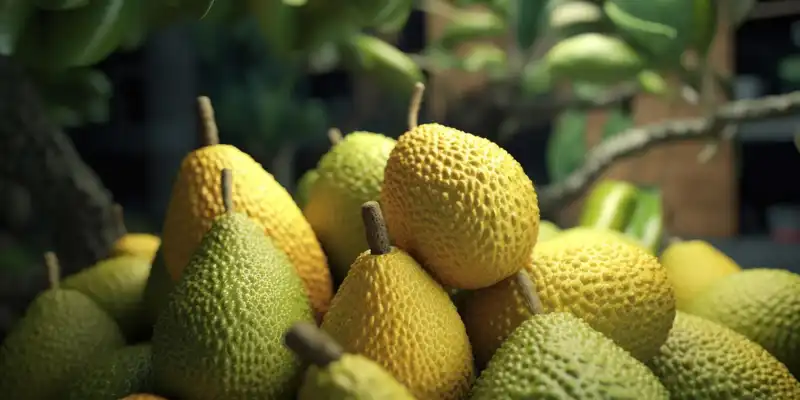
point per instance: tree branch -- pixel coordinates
(65, 193)
(639, 139)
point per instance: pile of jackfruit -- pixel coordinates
(408, 268)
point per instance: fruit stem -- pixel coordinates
(208, 124)
(415, 105)
(532, 301)
(226, 181)
(53, 269)
(375, 225)
(312, 345)
(119, 216)
(335, 136)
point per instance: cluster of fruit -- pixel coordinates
(449, 290)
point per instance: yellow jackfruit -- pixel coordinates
(692, 266)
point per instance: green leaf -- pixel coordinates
(617, 120)
(565, 18)
(393, 19)
(566, 147)
(469, 25)
(536, 78)
(383, 62)
(652, 82)
(488, 58)
(704, 26)
(527, 15)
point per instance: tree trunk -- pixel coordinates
(65, 192)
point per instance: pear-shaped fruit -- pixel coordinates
(304, 186)
(559, 356)
(142, 245)
(116, 374)
(117, 285)
(350, 174)
(59, 335)
(391, 311)
(460, 205)
(195, 204)
(221, 333)
(336, 375)
(692, 266)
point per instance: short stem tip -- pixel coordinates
(415, 105)
(226, 180)
(528, 291)
(53, 269)
(209, 132)
(335, 136)
(312, 345)
(375, 226)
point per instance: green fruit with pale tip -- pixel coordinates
(220, 335)
(115, 375)
(60, 333)
(117, 285)
(335, 375)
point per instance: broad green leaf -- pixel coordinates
(470, 25)
(566, 147)
(565, 18)
(704, 26)
(536, 79)
(527, 15)
(617, 120)
(383, 62)
(394, 18)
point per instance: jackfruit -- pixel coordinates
(61, 331)
(335, 375)
(304, 186)
(195, 203)
(142, 245)
(705, 360)
(692, 266)
(392, 312)
(117, 285)
(114, 375)
(547, 230)
(761, 304)
(220, 335)
(617, 287)
(559, 356)
(157, 289)
(460, 205)
(590, 233)
(350, 174)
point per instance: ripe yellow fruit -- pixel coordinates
(142, 245)
(762, 304)
(391, 311)
(196, 201)
(692, 266)
(618, 288)
(460, 205)
(705, 360)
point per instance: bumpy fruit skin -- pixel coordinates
(705, 360)
(142, 245)
(352, 378)
(350, 174)
(117, 285)
(692, 266)
(197, 200)
(221, 333)
(460, 205)
(61, 332)
(115, 375)
(558, 356)
(617, 287)
(761, 304)
(391, 311)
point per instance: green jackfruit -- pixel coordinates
(125, 371)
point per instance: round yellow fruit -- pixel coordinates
(142, 245)
(459, 204)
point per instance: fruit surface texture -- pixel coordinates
(694, 265)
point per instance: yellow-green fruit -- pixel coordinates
(157, 290)
(353, 377)
(558, 356)
(692, 266)
(58, 336)
(142, 245)
(761, 304)
(115, 375)
(350, 174)
(705, 360)
(304, 186)
(618, 288)
(547, 231)
(460, 205)
(590, 233)
(391, 311)
(117, 285)
(220, 335)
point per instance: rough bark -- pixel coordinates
(65, 192)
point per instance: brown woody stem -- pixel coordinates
(528, 291)
(335, 136)
(415, 105)
(226, 182)
(208, 125)
(375, 225)
(312, 345)
(53, 269)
